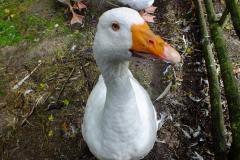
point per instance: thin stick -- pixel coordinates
(65, 83)
(26, 77)
(25, 120)
(115, 5)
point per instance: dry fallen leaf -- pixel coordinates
(77, 19)
(148, 17)
(79, 5)
(151, 9)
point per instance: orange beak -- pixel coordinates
(145, 41)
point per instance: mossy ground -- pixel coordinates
(18, 22)
(32, 31)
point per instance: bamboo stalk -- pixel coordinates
(214, 89)
(234, 9)
(224, 18)
(229, 81)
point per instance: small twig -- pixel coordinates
(57, 105)
(29, 123)
(87, 79)
(26, 77)
(167, 39)
(197, 156)
(25, 120)
(115, 5)
(47, 97)
(64, 85)
(28, 115)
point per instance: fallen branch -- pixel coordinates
(229, 81)
(214, 88)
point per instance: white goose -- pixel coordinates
(120, 121)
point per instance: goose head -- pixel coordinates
(123, 33)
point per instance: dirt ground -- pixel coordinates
(41, 118)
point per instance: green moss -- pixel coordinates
(41, 27)
(10, 12)
(8, 33)
(59, 54)
(17, 23)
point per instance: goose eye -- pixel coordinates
(115, 26)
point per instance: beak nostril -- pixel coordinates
(151, 41)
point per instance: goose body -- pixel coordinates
(138, 4)
(125, 133)
(120, 121)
